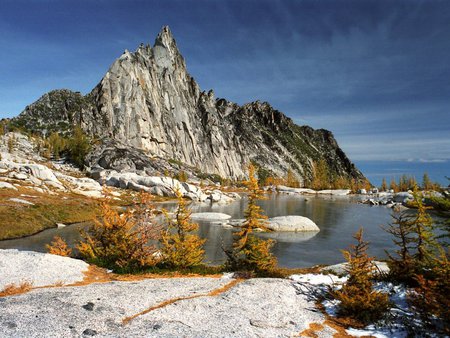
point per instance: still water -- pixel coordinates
(337, 217)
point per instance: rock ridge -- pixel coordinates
(149, 102)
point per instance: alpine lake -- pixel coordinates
(338, 218)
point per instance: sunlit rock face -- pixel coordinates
(148, 101)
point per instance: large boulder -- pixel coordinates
(292, 223)
(42, 172)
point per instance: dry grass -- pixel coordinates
(312, 330)
(19, 220)
(13, 289)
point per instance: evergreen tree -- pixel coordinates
(180, 248)
(416, 242)
(426, 182)
(251, 253)
(291, 180)
(357, 297)
(393, 185)
(78, 146)
(11, 143)
(321, 175)
(383, 185)
(401, 262)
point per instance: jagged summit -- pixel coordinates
(165, 38)
(148, 101)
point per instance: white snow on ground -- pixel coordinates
(397, 294)
(318, 279)
(38, 268)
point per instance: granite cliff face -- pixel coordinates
(148, 102)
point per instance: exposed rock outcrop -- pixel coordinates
(148, 102)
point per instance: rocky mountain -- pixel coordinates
(149, 104)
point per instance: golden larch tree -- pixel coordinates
(121, 241)
(181, 248)
(251, 253)
(357, 298)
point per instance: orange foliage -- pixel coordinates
(250, 252)
(431, 297)
(358, 299)
(120, 241)
(59, 247)
(180, 248)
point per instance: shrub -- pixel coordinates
(357, 298)
(59, 247)
(121, 241)
(430, 298)
(180, 248)
(248, 252)
(181, 176)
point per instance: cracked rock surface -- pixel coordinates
(252, 308)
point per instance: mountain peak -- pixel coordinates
(165, 38)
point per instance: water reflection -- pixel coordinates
(337, 217)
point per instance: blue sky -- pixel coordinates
(375, 73)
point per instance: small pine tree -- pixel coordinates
(78, 147)
(425, 242)
(59, 247)
(121, 241)
(393, 186)
(180, 248)
(383, 185)
(11, 143)
(426, 182)
(321, 178)
(291, 180)
(357, 298)
(57, 144)
(251, 253)
(401, 262)
(416, 242)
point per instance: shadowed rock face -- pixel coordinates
(148, 101)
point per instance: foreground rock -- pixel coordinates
(38, 268)
(189, 307)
